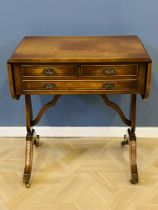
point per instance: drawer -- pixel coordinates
(114, 85)
(48, 70)
(109, 70)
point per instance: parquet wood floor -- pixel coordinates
(78, 174)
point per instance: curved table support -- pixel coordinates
(133, 157)
(44, 108)
(31, 137)
(130, 138)
(116, 108)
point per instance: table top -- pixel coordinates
(79, 49)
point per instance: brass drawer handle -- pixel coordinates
(109, 71)
(49, 86)
(48, 71)
(108, 85)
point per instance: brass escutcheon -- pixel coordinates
(48, 71)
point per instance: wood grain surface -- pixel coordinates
(80, 49)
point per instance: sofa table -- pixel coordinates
(59, 65)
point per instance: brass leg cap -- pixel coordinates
(134, 179)
(27, 185)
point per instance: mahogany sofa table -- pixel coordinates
(59, 65)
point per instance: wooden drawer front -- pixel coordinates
(122, 85)
(109, 70)
(48, 71)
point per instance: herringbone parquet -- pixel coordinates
(78, 174)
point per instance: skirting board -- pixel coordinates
(44, 131)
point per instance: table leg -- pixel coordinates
(133, 162)
(31, 139)
(130, 139)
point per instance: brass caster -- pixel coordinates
(27, 185)
(26, 180)
(134, 179)
(126, 141)
(36, 142)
